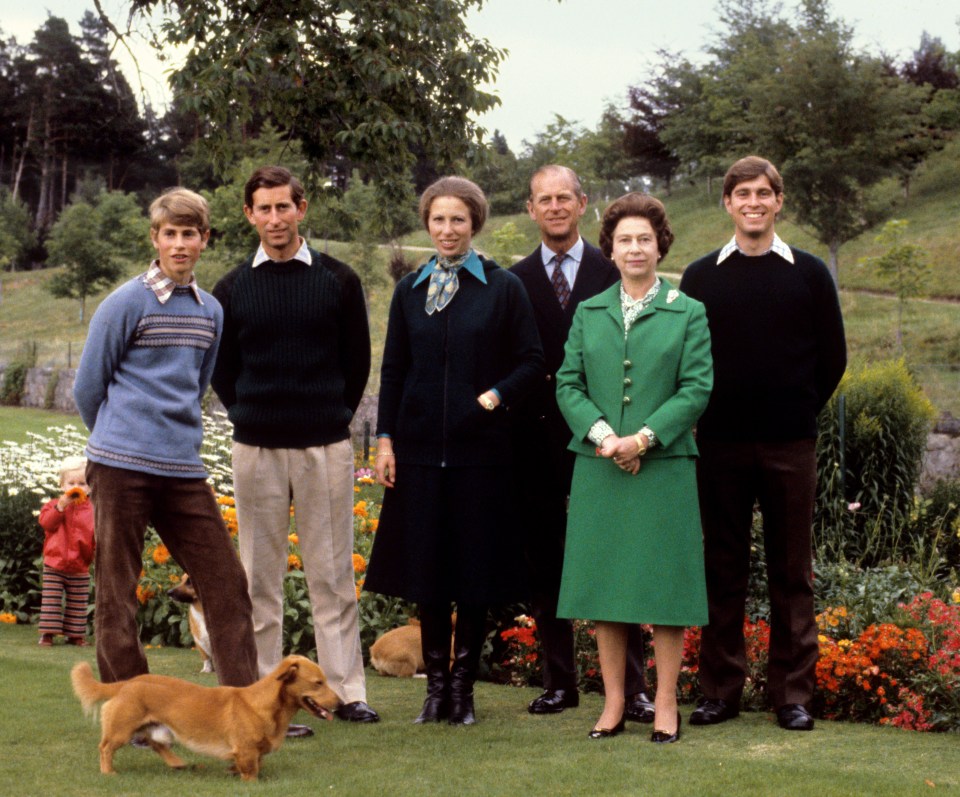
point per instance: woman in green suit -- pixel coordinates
(636, 376)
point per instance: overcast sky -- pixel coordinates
(571, 57)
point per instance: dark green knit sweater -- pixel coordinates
(295, 353)
(778, 344)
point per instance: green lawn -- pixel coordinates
(17, 422)
(51, 749)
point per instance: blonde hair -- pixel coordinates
(181, 207)
(70, 464)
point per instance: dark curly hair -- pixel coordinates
(636, 204)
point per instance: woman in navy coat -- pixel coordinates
(461, 347)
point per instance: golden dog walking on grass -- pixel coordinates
(241, 724)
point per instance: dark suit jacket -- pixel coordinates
(539, 414)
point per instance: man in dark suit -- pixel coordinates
(560, 273)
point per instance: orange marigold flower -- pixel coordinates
(294, 539)
(359, 563)
(294, 562)
(373, 524)
(360, 509)
(79, 493)
(359, 588)
(160, 554)
(8, 618)
(144, 594)
(226, 500)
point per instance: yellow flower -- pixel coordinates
(160, 554)
(294, 539)
(359, 588)
(359, 563)
(7, 617)
(955, 597)
(356, 489)
(294, 562)
(226, 500)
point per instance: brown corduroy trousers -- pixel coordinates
(184, 513)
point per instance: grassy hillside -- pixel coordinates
(932, 329)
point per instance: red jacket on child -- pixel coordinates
(69, 544)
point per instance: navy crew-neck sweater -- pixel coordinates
(778, 344)
(295, 353)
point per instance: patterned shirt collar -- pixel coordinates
(163, 287)
(303, 255)
(778, 247)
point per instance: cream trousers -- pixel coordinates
(319, 482)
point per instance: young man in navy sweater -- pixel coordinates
(778, 355)
(291, 371)
(146, 364)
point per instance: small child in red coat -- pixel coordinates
(67, 554)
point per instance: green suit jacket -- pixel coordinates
(659, 376)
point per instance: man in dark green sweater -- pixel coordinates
(291, 370)
(778, 354)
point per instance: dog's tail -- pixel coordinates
(89, 689)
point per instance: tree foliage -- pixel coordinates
(89, 264)
(371, 81)
(903, 265)
(835, 121)
(17, 238)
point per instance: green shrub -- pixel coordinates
(50, 394)
(864, 509)
(21, 548)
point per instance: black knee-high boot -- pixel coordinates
(435, 631)
(468, 643)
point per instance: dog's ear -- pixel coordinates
(289, 673)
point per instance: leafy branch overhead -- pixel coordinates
(377, 82)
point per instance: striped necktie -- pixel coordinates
(559, 282)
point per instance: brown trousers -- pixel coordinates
(781, 477)
(184, 512)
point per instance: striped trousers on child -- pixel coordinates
(54, 619)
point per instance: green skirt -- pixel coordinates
(634, 549)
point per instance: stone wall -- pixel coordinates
(942, 459)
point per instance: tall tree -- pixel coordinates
(368, 80)
(707, 105)
(832, 119)
(89, 264)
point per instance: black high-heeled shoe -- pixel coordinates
(662, 737)
(606, 733)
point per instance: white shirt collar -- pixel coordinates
(778, 247)
(575, 252)
(303, 254)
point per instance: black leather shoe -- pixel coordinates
(358, 711)
(606, 733)
(662, 737)
(794, 717)
(553, 701)
(639, 708)
(298, 731)
(713, 712)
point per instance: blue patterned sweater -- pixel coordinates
(145, 367)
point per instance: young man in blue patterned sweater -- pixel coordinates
(146, 364)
